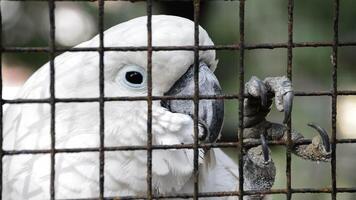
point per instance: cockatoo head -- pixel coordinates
(125, 122)
(172, 71)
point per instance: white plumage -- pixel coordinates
(27, 126)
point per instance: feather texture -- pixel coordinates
(27, 126)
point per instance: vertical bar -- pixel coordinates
(101, 99)
(289, 74)
(149, 99)
(334, 60)
(52, 47)
(196, 98)
(242, 92)
(1, 107)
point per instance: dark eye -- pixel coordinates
(134, 77)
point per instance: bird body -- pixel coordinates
(27, 126)
(77, 124)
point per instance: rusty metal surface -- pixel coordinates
(289, 124)
(52, 100)
(240, 48)
(242, 92)
(149, 99)
(334, 62)
(101, 98)
(181, 48)
(196, 4)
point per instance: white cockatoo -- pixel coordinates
(27, 126)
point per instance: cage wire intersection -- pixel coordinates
(241, 47)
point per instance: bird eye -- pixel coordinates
(132, 76)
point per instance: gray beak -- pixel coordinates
(211, 111)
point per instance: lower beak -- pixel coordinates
(211, 111)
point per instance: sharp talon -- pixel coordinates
(287, 106)
(263, 92)
(323, 134)
(264, 148)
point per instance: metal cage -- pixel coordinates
(241, 47)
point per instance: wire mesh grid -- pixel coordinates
(241, 47)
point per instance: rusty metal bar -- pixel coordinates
(157, 98)
(116, 0)
(196, 5)
(149, 99)
(289, 124)
(179, 48)
(133, 1)
(233, 193)
(52, 99)
(242, 92)
(101, 100)
(157, 147)
(334, 62)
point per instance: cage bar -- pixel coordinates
(149, 99)
(242, 92)
(334, 60)
(289, 124)
(163, 147)
(196, 4)
(181, 48)
(158, 98)
(101, 100)
(52, 47)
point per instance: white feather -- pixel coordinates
(27, 126)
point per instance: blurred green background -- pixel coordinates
(26, 24)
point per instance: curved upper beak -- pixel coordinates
(211, 111)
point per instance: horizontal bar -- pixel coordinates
(231, 193)
(126, 98)
(125, 0)
(157, 98)
(164, 147)
(86, 0)
(325, 93)
(126, 148)
(175, 48)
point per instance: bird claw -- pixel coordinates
(283, 91)
(318, 150)
(288, 103)
(258, 162)
(323, 135)
(265, 149)
(259, 169)
(263, 152)
(259, 98)
(256, 88)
